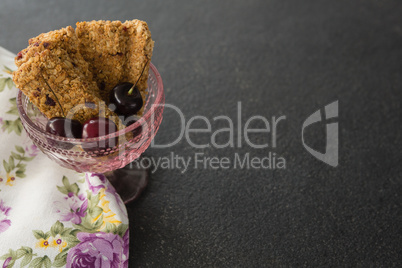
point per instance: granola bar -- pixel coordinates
(56, 78)
(116, 52)
(71, 72)
(102, 46)
(139, 48)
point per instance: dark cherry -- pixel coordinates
(97, 127)
(64, 127)
(126, 98)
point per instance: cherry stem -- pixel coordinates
(132, 88)
(54, 94)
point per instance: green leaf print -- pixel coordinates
(47, 262)
(19, 149)
(66, 238)
(13, 125)
(24, 252)
(6, 166)
(16, 163)
(40, 234)
(27, 259)
(110, 228)
(13, 109)
(40, 262)
(36, 262)
(95, 212)
(2, 84)
(61, 259)
(11, 162)
(67, 187)
(6, 81)
(7, 70)
(8, 255)
(121, 229)
(88, 226)
(57, 228)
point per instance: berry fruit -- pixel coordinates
(64, 127)
(127, 99)
(97, 127)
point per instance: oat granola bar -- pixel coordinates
(102, 46)
(116, 52)
(52, 73)
(72, 71)
(139, 48)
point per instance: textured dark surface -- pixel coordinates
(278, 58)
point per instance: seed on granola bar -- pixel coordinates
(49, 101)
(37, 93)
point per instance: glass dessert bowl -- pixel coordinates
(91, 155)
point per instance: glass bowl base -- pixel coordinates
(129, 181)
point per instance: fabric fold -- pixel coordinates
(51, 216)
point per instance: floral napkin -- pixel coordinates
(51, 216)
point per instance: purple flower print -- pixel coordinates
(73, 208)
(4, 222)
(7, 262)
(95, 182)
(126, 238)
(32, 150)
(98, 250)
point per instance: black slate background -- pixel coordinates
(277, 58)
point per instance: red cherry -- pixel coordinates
(64, 127)
(97, 127)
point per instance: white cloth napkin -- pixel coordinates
(51, 216)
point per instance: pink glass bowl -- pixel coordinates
(69, 152)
